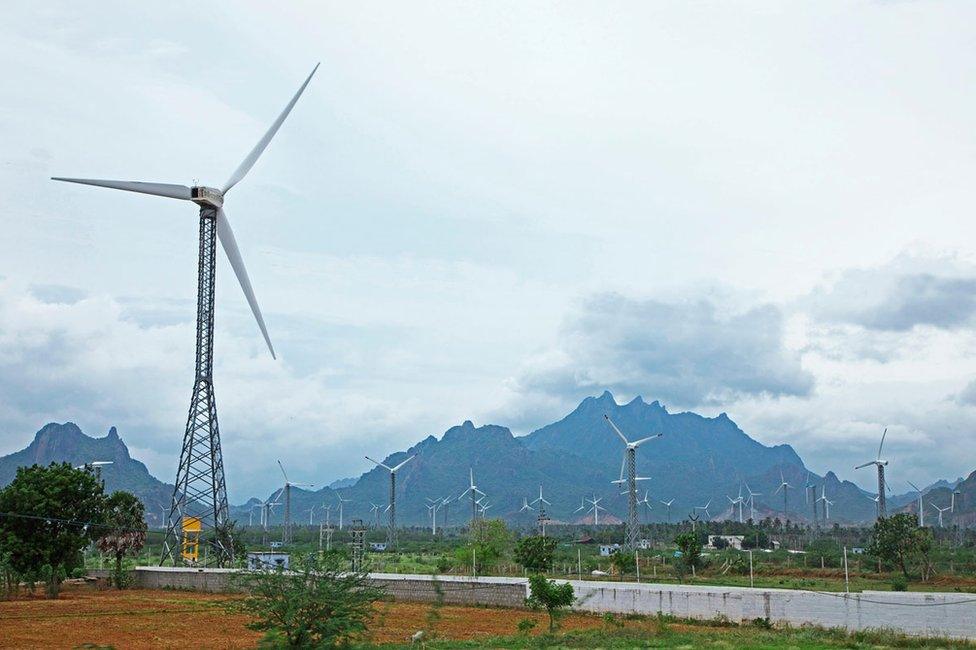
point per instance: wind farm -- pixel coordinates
(556, 345)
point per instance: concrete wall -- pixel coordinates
(932, 614)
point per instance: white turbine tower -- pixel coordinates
(882, 506)
(630, 460)
(921, 508)
(785, 487)
(391, 533)
(200, 489)
(473, 489)
(286, 535)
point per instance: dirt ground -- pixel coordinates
(168, 619)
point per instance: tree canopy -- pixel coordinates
(50, 514)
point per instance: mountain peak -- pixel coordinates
(113, 434)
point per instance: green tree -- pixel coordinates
(898, 539)
(691, 548)
(535, 553)
(554, 597)
(317, 603)
(54, 513)
(624, 562)
(491, 540)
(124, 532)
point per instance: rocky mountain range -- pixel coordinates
(698, 460)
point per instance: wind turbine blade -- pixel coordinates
(282, 467)
(262, 144)
(156, 189)
(376, 462)
(237, 263)
(882, 442)
(914, 486)
(403, 463)
(865, 464)
(622, 436)
(640, 442)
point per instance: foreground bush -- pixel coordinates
(318, 603)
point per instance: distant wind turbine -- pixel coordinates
(880, 464)
(391, 533)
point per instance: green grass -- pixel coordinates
(661, 634)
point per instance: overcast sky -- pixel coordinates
(490, 211)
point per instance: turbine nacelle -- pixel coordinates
(207, 196)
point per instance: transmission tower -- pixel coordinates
(358, 545)
(200, 492)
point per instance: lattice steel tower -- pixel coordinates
(201, 490)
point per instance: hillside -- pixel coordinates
(697, 459)
(56, 443)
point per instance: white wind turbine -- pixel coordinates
(375, 509)
(391, 532)
(474, 491)
(752, 502)
(941, 510)
(630, 461)
(736, 502)
(667, 504)
(952, 502)
(703, 508)
(311, 512)
(445, 503)
(541, 500)
(200, 487)
(785, 487)
(880, 464)
(647, 505)
(827, 502)
(288, 485)
(341, 502)
(432, 506)
(525, 505)
(921, 508)
(596, 509)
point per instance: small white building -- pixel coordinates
(606, 550)
(644, 544)
(731, 541)
(266, 560)
(377, 547)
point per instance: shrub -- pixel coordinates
(899, 583)
(526, 625)
(317, 603)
